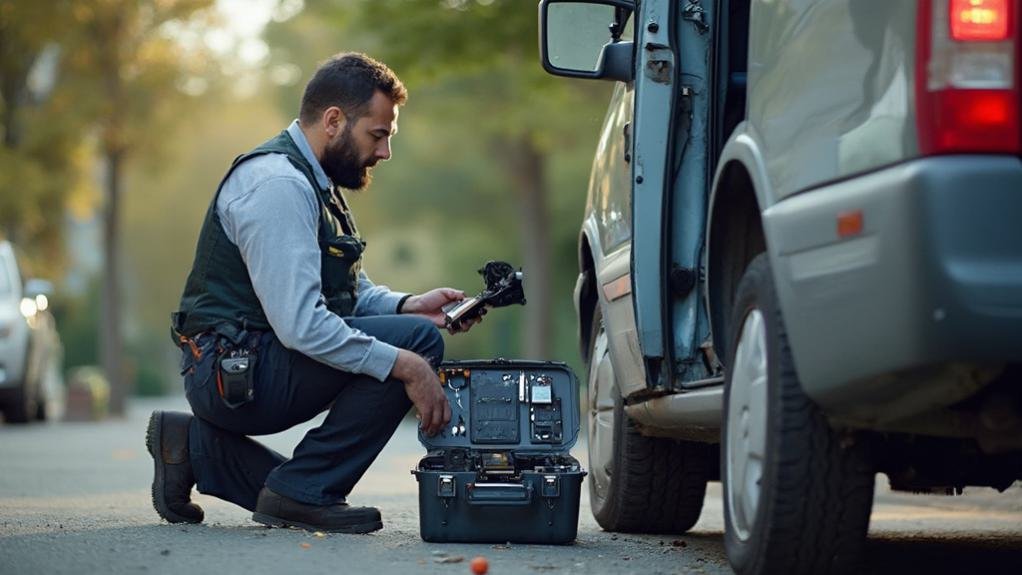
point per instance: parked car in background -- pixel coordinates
(800, 262)
(30, 349)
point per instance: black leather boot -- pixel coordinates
(166, 439)
(276, 510)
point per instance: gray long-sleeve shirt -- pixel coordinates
(269, 210)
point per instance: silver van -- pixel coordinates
(800, 263)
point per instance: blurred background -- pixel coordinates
(119, 117)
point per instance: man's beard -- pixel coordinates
(342, 164)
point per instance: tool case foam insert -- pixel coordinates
(500, 471)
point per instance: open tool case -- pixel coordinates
(501, 470)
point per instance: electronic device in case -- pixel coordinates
(501, 470)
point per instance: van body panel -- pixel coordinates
(922, 286)
(831, 88)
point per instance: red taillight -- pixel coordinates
(967, 96)
(970, 121)
(979, 20)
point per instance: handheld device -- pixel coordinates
(503, 288)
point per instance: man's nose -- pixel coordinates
(383, 151)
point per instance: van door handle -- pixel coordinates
(628, 142)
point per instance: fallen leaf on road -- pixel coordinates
(305, 545)
(452, 559)
(679, 543)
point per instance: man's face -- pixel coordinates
(349, 157)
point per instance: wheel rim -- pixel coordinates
(747, 424)
(601, 415)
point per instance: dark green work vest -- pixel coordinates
(218, 295)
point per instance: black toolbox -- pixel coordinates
(500, 471)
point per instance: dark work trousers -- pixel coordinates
(291, 388)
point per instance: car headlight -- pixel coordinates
(28, 308)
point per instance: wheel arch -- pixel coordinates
(734, 233)
(586, 296)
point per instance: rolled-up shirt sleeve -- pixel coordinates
(375, 299)
(274, 224)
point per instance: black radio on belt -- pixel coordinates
(237, 377)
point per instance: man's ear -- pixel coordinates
(333, 121)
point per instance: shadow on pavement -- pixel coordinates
(938, 554)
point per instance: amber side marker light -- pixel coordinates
(849, 224)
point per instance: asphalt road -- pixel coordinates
(74, 499)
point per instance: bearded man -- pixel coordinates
(278, 323)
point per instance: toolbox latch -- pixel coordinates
(551, 486)
(445, 487)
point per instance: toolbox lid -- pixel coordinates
(517, 405)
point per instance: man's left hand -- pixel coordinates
(431, 303)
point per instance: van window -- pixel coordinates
(611, 179)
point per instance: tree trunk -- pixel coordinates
(111, 337)
(528, 175)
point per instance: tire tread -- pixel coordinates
(815, 507)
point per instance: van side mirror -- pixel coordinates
(580, 39)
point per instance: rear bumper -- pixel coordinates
(910, 314)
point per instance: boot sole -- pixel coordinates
(271, 521)
(153, 442)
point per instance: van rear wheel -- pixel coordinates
(637, 484)
(797, 494)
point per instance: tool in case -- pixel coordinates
(501, 470)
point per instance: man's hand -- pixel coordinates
(424, 389)
(431, 303)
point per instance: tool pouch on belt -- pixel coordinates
(236, 371)
(341, 264)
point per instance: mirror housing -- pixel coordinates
(616, 60)
(36, 286)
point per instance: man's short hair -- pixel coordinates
(348, 80)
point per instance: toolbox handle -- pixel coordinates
(507, 494)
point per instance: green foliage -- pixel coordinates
(449, 200)
(40, 155)
(83, 81)
(78, 320)
(129, 68)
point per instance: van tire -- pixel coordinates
(816, 485)
(20, 406)
(656, 485)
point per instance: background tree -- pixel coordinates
(131, 66)
(41, 156)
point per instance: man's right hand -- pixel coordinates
(424, 389)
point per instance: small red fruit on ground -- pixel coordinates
(479, 565)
